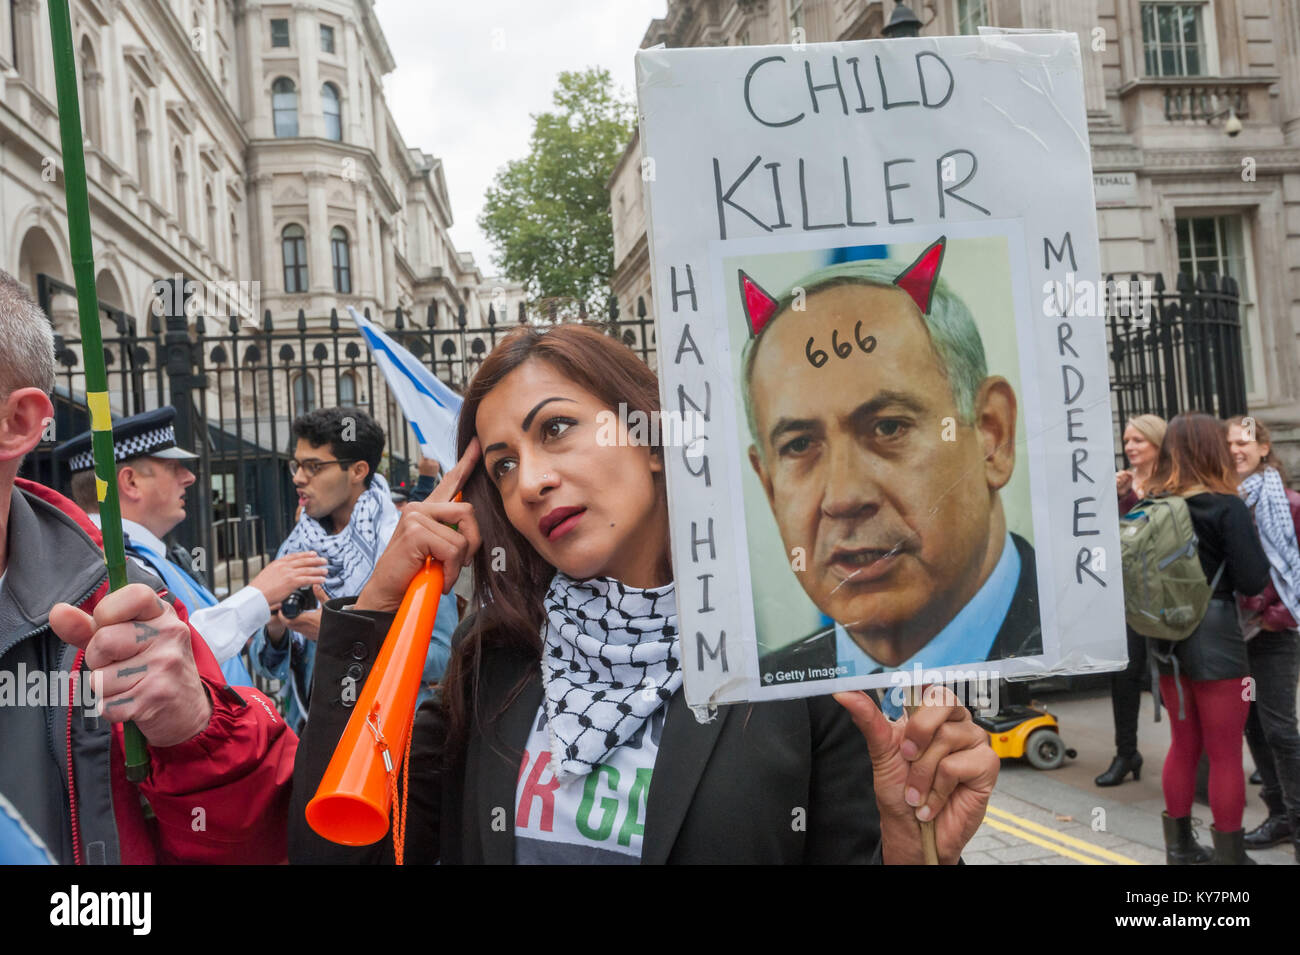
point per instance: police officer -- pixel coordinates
(152, 477)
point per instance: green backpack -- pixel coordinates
(1165, 590)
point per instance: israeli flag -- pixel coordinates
(430, 406)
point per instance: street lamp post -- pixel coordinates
(902, 23)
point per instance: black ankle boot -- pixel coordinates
(1273, 831)
(1229, 848)
(1120, 767)
(1181, 847)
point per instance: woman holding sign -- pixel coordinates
(563, 733)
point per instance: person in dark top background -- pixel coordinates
(1204, 677)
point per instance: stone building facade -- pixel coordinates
(231, 141)
(1163, 81)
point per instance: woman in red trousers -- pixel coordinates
(1205, 679)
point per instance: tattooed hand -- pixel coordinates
(141, 651)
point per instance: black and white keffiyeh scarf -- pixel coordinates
(352, 552)
(1264, 494)
(610, 658)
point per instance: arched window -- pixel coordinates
(284, 107)
(342, 262)
(293, 242)
(329, 97)
(304, 394)
(178, 168)
(347, 388)
(141, 147)
(88, 71)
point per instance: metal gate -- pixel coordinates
(238, 387)
(1175, 352)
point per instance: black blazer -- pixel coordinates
(1020, 635)
(779, 782)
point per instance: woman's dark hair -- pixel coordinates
(1194, 452)
(507, 603)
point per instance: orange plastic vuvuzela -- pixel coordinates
(354, 799)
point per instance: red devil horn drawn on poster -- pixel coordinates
(759, 305)
(918, 279)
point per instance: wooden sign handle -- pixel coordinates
(929, 841)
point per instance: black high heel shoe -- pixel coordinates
(1120, 767)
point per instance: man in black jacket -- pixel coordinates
(883, 464)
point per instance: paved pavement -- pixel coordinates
(1062, 818)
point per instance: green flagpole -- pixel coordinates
(92, 345)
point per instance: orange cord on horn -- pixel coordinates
(399, 809)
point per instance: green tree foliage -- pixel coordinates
(548, 213)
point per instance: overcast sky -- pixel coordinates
(471, 72)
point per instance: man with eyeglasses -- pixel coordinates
(346, 515)
(152, 480)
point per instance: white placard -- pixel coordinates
(926, 492)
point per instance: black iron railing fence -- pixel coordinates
(1179, 350)
(237, 388)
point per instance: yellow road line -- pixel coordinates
(1027, 837)
(1013, 821)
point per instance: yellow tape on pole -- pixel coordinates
(100, 417)
(101, 488)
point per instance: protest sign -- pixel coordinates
(876, 271)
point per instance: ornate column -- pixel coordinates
(257, 89)
(25, 15)
(377, 255)
(321, 277)
(389, 297)
(311, 119)
(118, 131)
(355, 67)
(363, 262)
(368, 133)
(272, 276)
(1286, 34)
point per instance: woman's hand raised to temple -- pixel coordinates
(424, 531)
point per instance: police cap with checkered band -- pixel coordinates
(149, 434)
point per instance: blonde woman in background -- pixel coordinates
(1143, 436)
